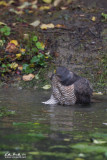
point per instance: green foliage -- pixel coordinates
(39, 46)
(27, 69)
(104, 16)
(34, 46)
(39, 60)
(34, 49)
(5, 67)
(5, 31)
(35, 38)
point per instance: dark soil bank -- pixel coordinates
(81, 45)
(80, 41)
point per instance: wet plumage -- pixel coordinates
(69, 88)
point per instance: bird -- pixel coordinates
(69, 88)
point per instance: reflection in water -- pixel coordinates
(61, 118)
(28, 107)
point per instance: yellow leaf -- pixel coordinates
(54, 70)
(32, 65)
(14, 65)
(44, 8)
(46, 86)
(11, 1)
(46, 26)
(42, 44)
(14, 42)
(2, 23)
(93, 18)
(67, 139)
(46, 57)
(22, 50)
(1, 42)
(3, 3)
(30, 11)
(18, 55)
(47, 1)
(20, 68)
(37, 123)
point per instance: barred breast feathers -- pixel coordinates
(64, 94)
(78, 90)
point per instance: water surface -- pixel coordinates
(51, 132)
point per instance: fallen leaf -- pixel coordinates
(11, 1)
(67, 139)
(18, 55)
(26, 36)
(2, 23)
(35, 23)
(82, 15)
(14, 42)
(44, 8)
(46, 86)
(28, 77)
(36, 76)
(3, 3)
(20, 68)
(34, 6)
(14, 11)
(97, 141)
(47, 53)
(47, 1)
(46, 26)
(13, 65)
(59, 26)
(32, 65)
(30, 11)
(93, 18)
(56, 2)
(99, 93)
(46, 57)
(43, 45)
(24, 5)
(1, 42)
(11, 48)
(63, 8)
(22, 50)
(36, 123)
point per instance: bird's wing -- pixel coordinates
(83, 90)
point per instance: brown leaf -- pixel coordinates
(59, 26)
(11, 48)
(28, 77)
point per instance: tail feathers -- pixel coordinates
(52, 100)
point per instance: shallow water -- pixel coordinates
(48, 132)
